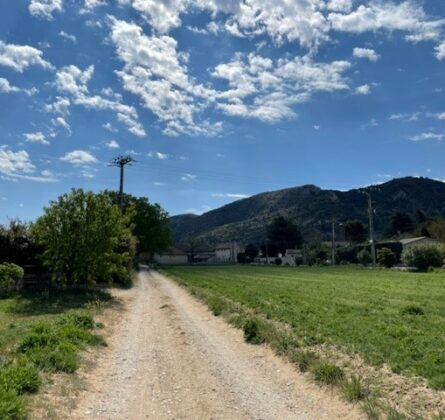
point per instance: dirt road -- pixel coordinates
(170, 358)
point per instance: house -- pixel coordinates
(290, 257)
(174, 257)
(227, 253)
(421, 240)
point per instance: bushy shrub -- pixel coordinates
(10, 276)
(278, 261)
(327, 373)
(252, 333)
(23, 378)
(424, 256)
(386, 257)
(364, 257)
(12, 406)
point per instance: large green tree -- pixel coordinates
(150, 223)
(355, 231)
(284, 234)
(85, 239)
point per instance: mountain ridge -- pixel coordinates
(312, 209)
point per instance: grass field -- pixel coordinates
(385, 316)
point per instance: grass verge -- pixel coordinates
(40, 335)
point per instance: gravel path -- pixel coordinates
(170, 358)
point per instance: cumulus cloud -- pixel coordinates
(6, 87)
(363, 90)
(440, 51)
(20, 57)
(37, 137)
(155, 71)
(407, 16)
(79, 158)
(73, 81)
(18, 165)
(368, 53)
(267, 90)
(45, 8)
(113, 144)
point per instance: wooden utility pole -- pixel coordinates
(371, 228)
(333, 242)
(121, 161)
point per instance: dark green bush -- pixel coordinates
(252, 333)
(424, 256)
(364, 257)
(304, 359)
(386, 257)
(10, 276)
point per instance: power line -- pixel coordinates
(120, 162)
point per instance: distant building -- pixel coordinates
(290, 257)
(227, 253)
(174, 257)
(421, 240)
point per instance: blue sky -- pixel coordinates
(216, 100)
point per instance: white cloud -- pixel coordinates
(266, 90)
(440, 116)
(368, 53)
(230, 195)
(340, 5)
(68, 37)
(155, 71)
(45, 8)
(90, 5)
(113, 144)
(18, 165)
(405, 117)
(188, 177)
(20, 57)
(61, 122)
(6, 87)
(363, 90)
(162, 15)
(79, 158)
(440, 51)
(60, 106)
(161, 156)
(407, 16)
(72, 81)
(37, 137)
(109, 127)
(428, 136)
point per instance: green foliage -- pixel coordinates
(150, 223)
(17, 244)
(53, 346)
(22, 378)
(401, 223)
(304, 359)
(364, 257)
(327, 373)
(355, 309)
(251, 251)
(10, 276)
(252, 333)
(284, 234)
(386, 257)
(355, 231)
(424, 256)
(12, 407)
(354, 390)
(81, 233)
